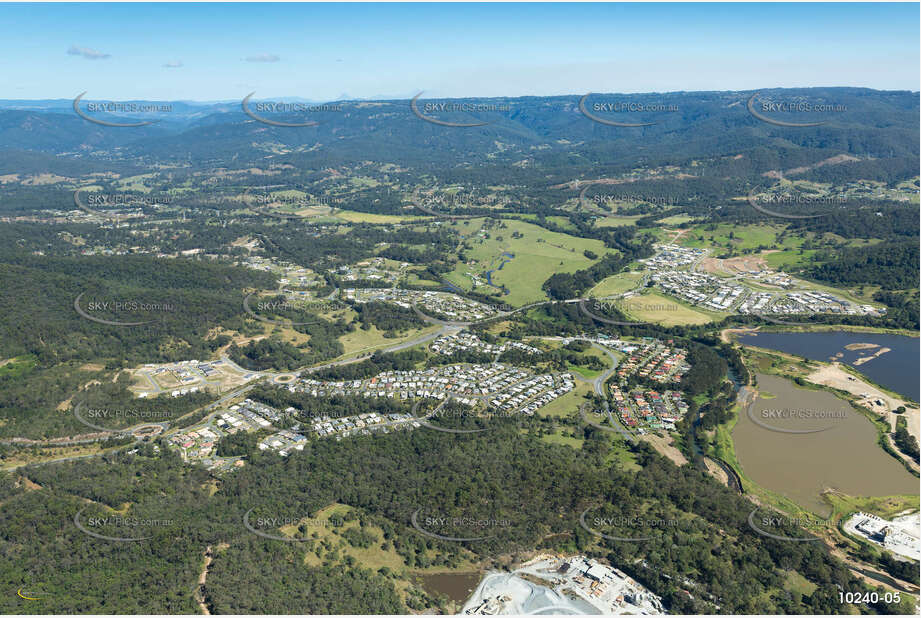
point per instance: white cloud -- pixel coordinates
(86, 52)
(173, 64)
(263, 58)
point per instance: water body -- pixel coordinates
(896, 370)
(456, 586)
(843, 456)
(508, 258)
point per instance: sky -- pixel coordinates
(324, 52)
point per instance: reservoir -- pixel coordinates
(799, 442)
(456, 586)
(896, 370)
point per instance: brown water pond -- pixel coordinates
(800, 442)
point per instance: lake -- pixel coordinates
(840, 453)
(456, 586)
(896, 370)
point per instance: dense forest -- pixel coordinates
(540, 489)
(890, 266)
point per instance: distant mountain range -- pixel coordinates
(523, 131)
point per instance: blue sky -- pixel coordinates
(325, 51)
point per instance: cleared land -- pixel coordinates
(665, 310)
(836, 377)
(367, 217)
(537, 253)
(616, 284)
(361, 340)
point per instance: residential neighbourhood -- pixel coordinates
(507, 388)
(468, 342)
(284, 442)
(648, 358)
(438, 304)
(289, 274)
(363, 424)
(375, 269)
(189, 376)
(648, 409)
(674, 270)
(198, 443)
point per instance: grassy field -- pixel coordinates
(568, 404)
(742, 237)
(616, 284)
(621, 454)
(675, 220)
(361, 340)
(563, 222)
(614, 221)
(366, 217)
(538, 253)
(562, 436)
(787, 257)
(665, 310)
(413, 279)
(21, 456)
(329, 537)
(17, 367)
(587, 373)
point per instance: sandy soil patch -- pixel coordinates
(727, 332)
(779, 174)
(45, 179)
(836, 377)
(665, 446)
(861, 346)
(733, 265)
(877, 354)
(714, 469)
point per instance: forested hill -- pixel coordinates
(543, 131)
